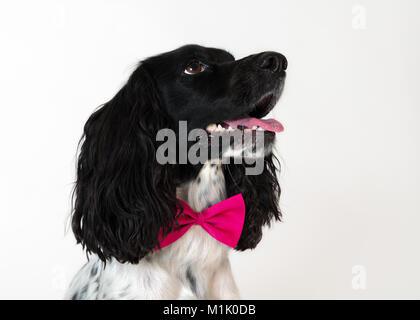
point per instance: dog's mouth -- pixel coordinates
(251, 121)
(263, 106)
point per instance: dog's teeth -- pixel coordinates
(230, 129)
(260, 129)
(254, 127)
(211, 127)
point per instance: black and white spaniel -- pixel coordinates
(124, 199)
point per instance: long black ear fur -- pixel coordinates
(123, 197)
(261, 194)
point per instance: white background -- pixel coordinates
(350, 149)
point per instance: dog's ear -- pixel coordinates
(261, 194)
(122, 196)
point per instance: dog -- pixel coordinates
(124, 200)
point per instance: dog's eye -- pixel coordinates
(195, 67)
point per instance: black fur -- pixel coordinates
(191, 280)
(261, 194)
(123, 198)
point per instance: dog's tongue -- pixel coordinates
(267, 124)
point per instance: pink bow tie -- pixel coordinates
(223, 221)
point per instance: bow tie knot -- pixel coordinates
(200, 219)
(223, 221)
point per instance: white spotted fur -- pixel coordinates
(194, 267)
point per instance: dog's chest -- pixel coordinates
(206, 190)
(196, 255)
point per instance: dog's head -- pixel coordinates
(123, 196)
(211, 90)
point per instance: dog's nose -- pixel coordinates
(272, 61)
